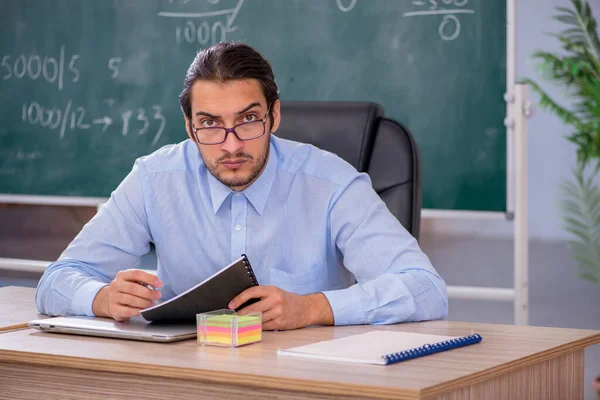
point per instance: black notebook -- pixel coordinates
(213, 293)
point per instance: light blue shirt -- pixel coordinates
(310, 223)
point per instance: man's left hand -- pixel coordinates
(284, 310)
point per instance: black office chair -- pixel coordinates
(360, 134)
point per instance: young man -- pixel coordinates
(323, 245)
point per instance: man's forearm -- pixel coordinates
(391, 298)
(66, 289)
(320, 312)
(100, 304)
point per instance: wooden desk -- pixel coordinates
(17, 306)
(512, 362)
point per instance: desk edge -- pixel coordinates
(209, 376)
(506, 368)
(291, 384)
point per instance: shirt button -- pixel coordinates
(238, 227)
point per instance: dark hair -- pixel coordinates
(227, 61)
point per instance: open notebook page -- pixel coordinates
(366, 348)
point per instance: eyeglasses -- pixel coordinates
(244, 131)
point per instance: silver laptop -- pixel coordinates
(136, 328)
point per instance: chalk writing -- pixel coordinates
(114, 64)
(346, 5)
(47, 68)
(198, 30)
(450, 26)
(76, 118)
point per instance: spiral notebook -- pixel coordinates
(380, 347)
(214, 293)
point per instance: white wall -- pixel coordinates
(550, 156)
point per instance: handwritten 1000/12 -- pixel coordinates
(74, 118)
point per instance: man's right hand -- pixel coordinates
(125, 297)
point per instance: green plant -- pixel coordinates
(577, 68)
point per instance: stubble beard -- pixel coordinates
(236, 180)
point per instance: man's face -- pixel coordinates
(236, 163)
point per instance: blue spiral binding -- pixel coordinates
(431, 348)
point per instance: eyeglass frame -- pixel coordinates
(232, 130)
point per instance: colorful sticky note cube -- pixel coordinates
(226, 328)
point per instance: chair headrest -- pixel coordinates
(345, 128)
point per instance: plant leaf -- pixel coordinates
(576, 67)
(589, 277)
(580, 205)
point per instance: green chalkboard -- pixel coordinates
(87, 86)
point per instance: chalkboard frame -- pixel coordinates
(426, 213)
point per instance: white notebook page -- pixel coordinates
(366, 348)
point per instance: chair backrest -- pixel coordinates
(360, 134)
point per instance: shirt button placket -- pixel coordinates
(239, 206)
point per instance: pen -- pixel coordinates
(154, 301)
(147, 285)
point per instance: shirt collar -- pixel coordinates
(257, 193)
